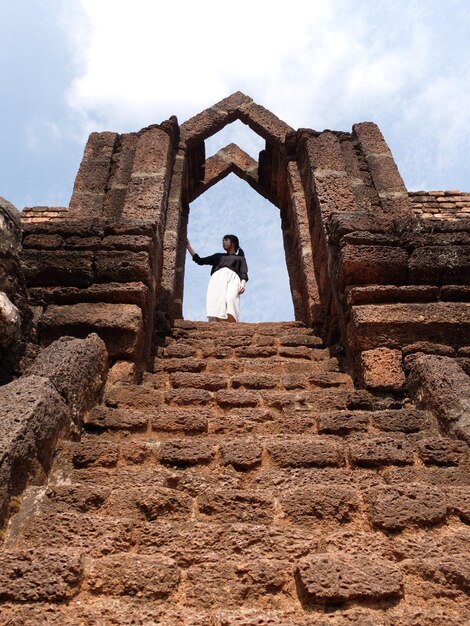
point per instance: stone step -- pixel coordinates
(247, 453)
(257, 379)
(316, 399)
(167, 420)
(319, 361)
(189, 326)
(127, 610)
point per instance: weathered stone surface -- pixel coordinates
(35, 576)
(336, 578)
(133, 397)
(236, 506)
(440, 265)
(449, 572)
(94, 534)
(187, 421)
(188, 396)
(44, 268)
(404, 420)
(254, 381)
(122, 266)
(306, 453)
(242, 455)
(382, 369)
(122, 372)
(237, 584)
(104, 418)
(149, 577)
(93, 453)
(92, 178)
(149, 503)
(230, 398)
(212, 382)
(373, 294)
(438, 383)
(396, 325)
(179, 365)
(33, 417)
(427, 347)
(310, 504)
(177, 351)
(438, 451)
(81, 498)
(120, 326)
(342, 422)
(77, 368)
(184, 453)
(394, 508)
(377, 451)
(111, 293)
(379, 265)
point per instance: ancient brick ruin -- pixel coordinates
(155, 470)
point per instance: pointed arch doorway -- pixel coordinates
(275, 176)
(232, 206)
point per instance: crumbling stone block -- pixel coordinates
(39, 576)
(136, 575)
(306, 453)
(184, 453)
(33, 417)
(242, 455)
(440, 451)
(342, 422)
(394, 508)
(381, 369)
(104, 418)
(307, 505)
(440, 384)
(336, 578)
(77, 368)
(236, 505)
(95, 453)
(119, 325)
(377, 451)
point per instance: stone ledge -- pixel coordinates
(396, 325)
(438, 383)
(33, 416)
(119, 325)
(77, 368)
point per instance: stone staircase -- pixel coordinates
(245, 482)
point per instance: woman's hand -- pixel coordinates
(241, 289)
(189, 248)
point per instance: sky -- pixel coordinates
(70, 67)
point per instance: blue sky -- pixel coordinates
(68, 67)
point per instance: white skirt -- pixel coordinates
(223, 298)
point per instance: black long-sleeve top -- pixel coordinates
(219, 260)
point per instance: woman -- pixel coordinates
(229, 276)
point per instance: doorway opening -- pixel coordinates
(232, 206)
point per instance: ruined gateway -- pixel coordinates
(156, 470)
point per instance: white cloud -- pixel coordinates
(317, 64)
(328, 64)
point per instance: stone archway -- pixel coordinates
(274, 177)
(368, 263)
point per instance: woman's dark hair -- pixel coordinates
(236, 243)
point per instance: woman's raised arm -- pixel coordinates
(189, 248)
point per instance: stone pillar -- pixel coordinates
(384, 171)
(312, 310)
(15, 314)
(169, 302)
(91, 183)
